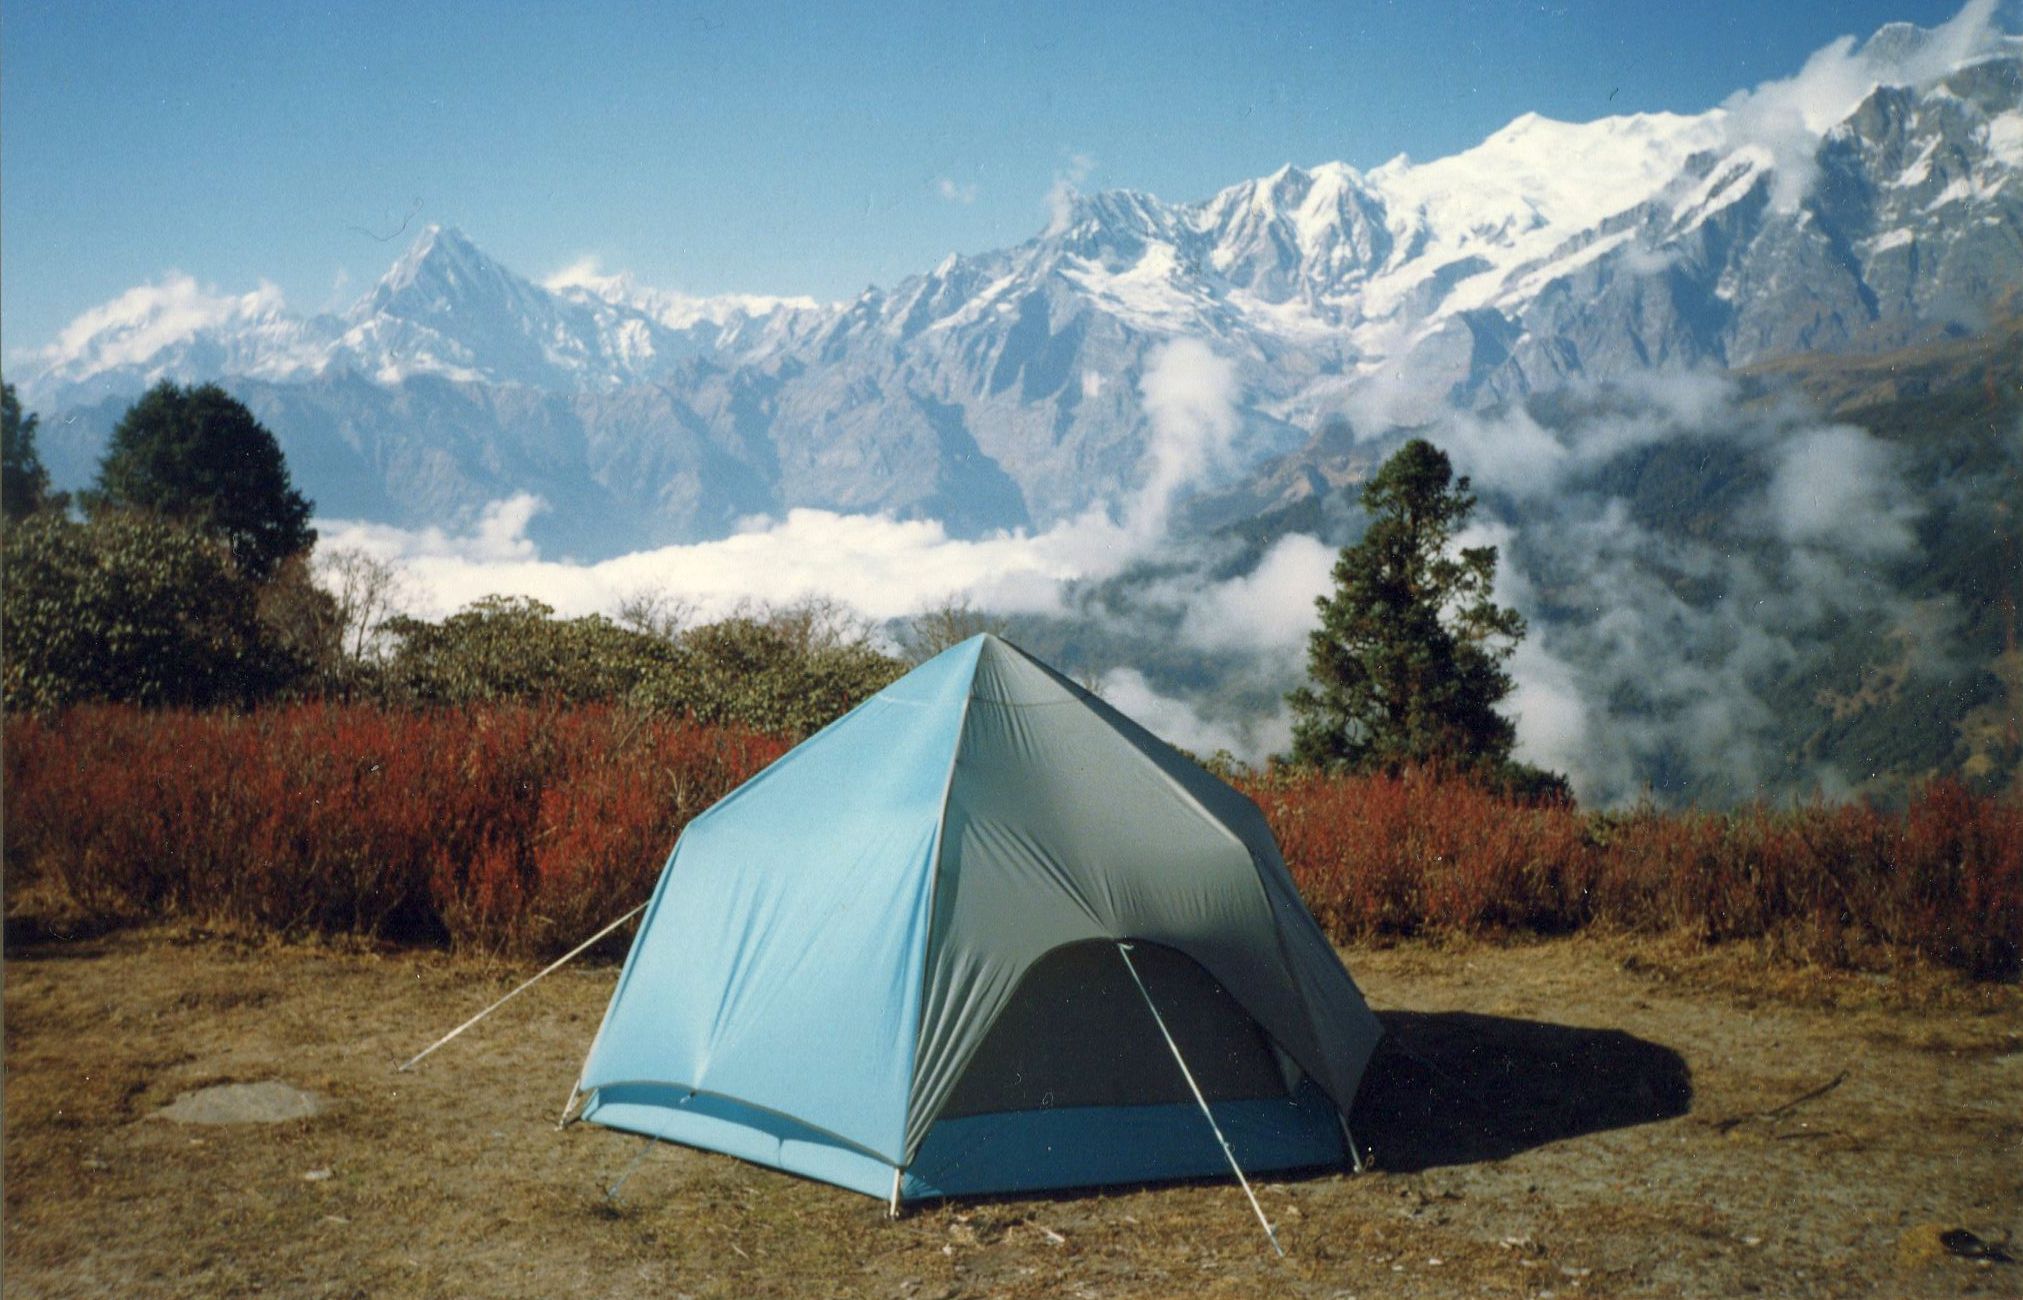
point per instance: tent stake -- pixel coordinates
(894, 1212)
(1124, 951)
(548, 970)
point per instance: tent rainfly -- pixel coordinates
(974, 937)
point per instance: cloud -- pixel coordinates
(1658, 655)
(1271, 608)
(586, 272)
(1190, 397)
(132, 328)
(1834, 487)
(1061, 195)
(955, 192)
(885, 568)
(1178, 722)
(1787, 117)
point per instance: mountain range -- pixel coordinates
(1004, 389)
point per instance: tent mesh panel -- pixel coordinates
(1077, 1033)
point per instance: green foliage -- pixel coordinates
(514, 648)
(137, 608)
(774, 674)
(24, 483)
(786, 671)
(1407, 664)
(198, 454)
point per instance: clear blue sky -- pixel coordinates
(749, 146)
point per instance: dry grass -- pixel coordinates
(1569, 1162)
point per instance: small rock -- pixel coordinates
(316, 1176)
(267, 1102)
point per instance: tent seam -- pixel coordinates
(740, 1101)
(933, 897)
(1256, 876)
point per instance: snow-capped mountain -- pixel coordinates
(1872, 200)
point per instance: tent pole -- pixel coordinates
(1124, 951)
(551, 968)
(894, 1211)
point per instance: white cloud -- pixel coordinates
(1060, 200)
(1177, 722)
(1835, 486)
(147, 318)
(954, 191)
(586, 272)
(883, 567)
(1271, 608)
(1190, 396)
(1788, 116)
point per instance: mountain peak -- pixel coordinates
(442, 271)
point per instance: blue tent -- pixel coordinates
(901, 958)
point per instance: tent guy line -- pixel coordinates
(1124, 951)
(546, 971)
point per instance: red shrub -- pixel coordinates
(1942, 881)
(523, 829)
(511, 828)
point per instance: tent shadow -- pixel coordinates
(1456, 1088)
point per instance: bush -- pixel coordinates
(789, 671)
(1845, 885)
(521, 829)
(142, 609)
(771, 675)
(510, 829)
(514, 649)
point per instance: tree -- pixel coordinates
(24, 483)
(949, 622)
(369, 590)
(138, 608)
(197, 454)
(1407, 664)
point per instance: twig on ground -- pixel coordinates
(1734, 1121)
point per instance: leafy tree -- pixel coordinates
(1407, 664)
(24, 483)
(368, 590)
(134, 607)
(198, 454)
(949, 622)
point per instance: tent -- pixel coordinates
(943, 947)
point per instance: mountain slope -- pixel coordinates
(1004, 389)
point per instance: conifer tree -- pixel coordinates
(1406, 667)
(24, 483)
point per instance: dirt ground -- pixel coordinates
(1578, 1117)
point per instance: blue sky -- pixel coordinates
(754, 147)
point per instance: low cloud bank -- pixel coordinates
(1666, 631)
